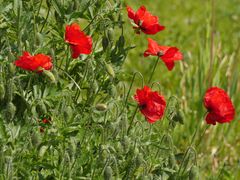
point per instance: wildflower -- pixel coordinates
(34, 63)
(43, 123)
(144, 21)
(152, 105)
(219, 105)
(166, 53)
(79, 42)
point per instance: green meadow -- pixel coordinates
(96, 129)
(207, 32)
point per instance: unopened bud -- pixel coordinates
(2, 92)
(194, 173)
(50, 75)
(121, 41)
(178, 116)
(104, 42)
(110, 70)
(11, 68)
(108, 173)
(101, 107)
(110, 35)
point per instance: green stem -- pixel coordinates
(78, 92)
(45, 21)
(184, 157)
(131, 122)
(201, 137)
(39, 7)
(153, 70)
(67, 61)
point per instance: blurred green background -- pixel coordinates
(208, 33)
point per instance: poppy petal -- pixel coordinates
(144, 21)
(33, 63)
(219, 105)
(79, 42)
(153, 48)
(152, 104)
(131, 13)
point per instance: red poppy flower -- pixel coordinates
(152, 105)
(44, 123)
(34, 63)
(166, 53)
(219, 106)
(144, 21)
(79, 42)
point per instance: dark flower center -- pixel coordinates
(142, 106)
(160, 53)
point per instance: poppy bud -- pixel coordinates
(2, 92)
(178, 116)
(95, 87)
(42, 151)
(194, 173)
(110, 35)
(108, 173)
(121, 41)
(10, 111)
(110, 70)
(101, 107)
(104, 42)
(103, 156)
(11, 68)
(50, 75)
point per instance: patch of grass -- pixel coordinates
(207, 32)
